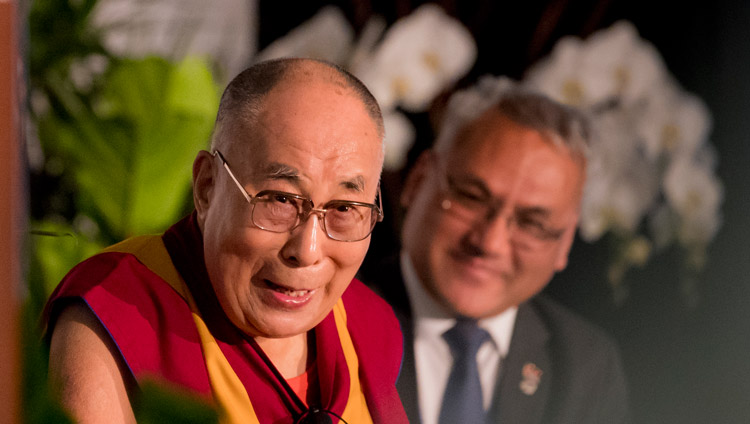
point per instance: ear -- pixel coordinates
(415, 178)
(561, 261)
(203, 183)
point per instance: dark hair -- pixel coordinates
(564, 125)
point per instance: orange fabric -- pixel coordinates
(306, 385)
(231, 399)
(229, 393)
(356, 409)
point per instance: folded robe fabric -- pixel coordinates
(153, 296)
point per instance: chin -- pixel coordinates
(472, 304)
(476, 312)
(273, 326)
(282, 331)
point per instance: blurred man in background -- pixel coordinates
(491, 214)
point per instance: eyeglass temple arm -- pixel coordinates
(231, 174)
(381, 214)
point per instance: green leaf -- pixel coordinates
(157, 403)
(131, 150)
(56, 248)
(192, 90)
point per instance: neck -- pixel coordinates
(290, 355)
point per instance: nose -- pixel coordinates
(492, 235)
(302, 248)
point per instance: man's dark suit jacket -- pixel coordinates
(581, 379)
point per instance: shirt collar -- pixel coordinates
(432, 319)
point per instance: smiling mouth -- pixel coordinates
(287, 291)
(481, 266)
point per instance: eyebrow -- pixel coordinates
(356, 184)
(540, 211)
(534, 211)
(281, 171)
(472, 181)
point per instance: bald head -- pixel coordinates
(243, 98)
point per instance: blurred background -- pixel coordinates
(119, 95)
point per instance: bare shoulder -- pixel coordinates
(86, 369)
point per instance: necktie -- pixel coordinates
(462, 400)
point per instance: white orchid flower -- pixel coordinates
(399, 137)
(621, 184)
(559, 76)
(224, 30)
(369, 37)
(649, 159)
(696, 194)
(594, 220)
(327, 36)
(611, 64)
(673, 122)
(419, 56)
(663, 225)
(617, 62)
(609, 205)
(616, 203)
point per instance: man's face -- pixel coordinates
(315, 140)
(476, 260)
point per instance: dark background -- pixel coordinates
(684, 364)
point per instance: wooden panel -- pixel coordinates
(10, 214)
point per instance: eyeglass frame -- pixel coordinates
(306, 210)
(448, 187)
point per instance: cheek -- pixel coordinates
(426, 225)
(434, 236)
(537, 271)
(236, 254)
(348, 257)
(443, 233)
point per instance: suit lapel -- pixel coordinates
(407, 381)
(523, 389)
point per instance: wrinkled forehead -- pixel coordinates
(321, 133)
(259, 143)
(296, 99)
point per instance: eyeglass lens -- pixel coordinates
(276, 211)
(472, 203)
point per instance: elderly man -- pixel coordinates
(491, 215)
(250, 301)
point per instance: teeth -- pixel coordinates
(288, 292)
(295, 293)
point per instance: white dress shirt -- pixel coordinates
(432, 355)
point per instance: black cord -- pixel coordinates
(316, 415)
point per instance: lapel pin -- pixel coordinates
(532, 376)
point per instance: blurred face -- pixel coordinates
(490, 221)
(315, 140)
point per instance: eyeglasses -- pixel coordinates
(279, 212)
(472, 201)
